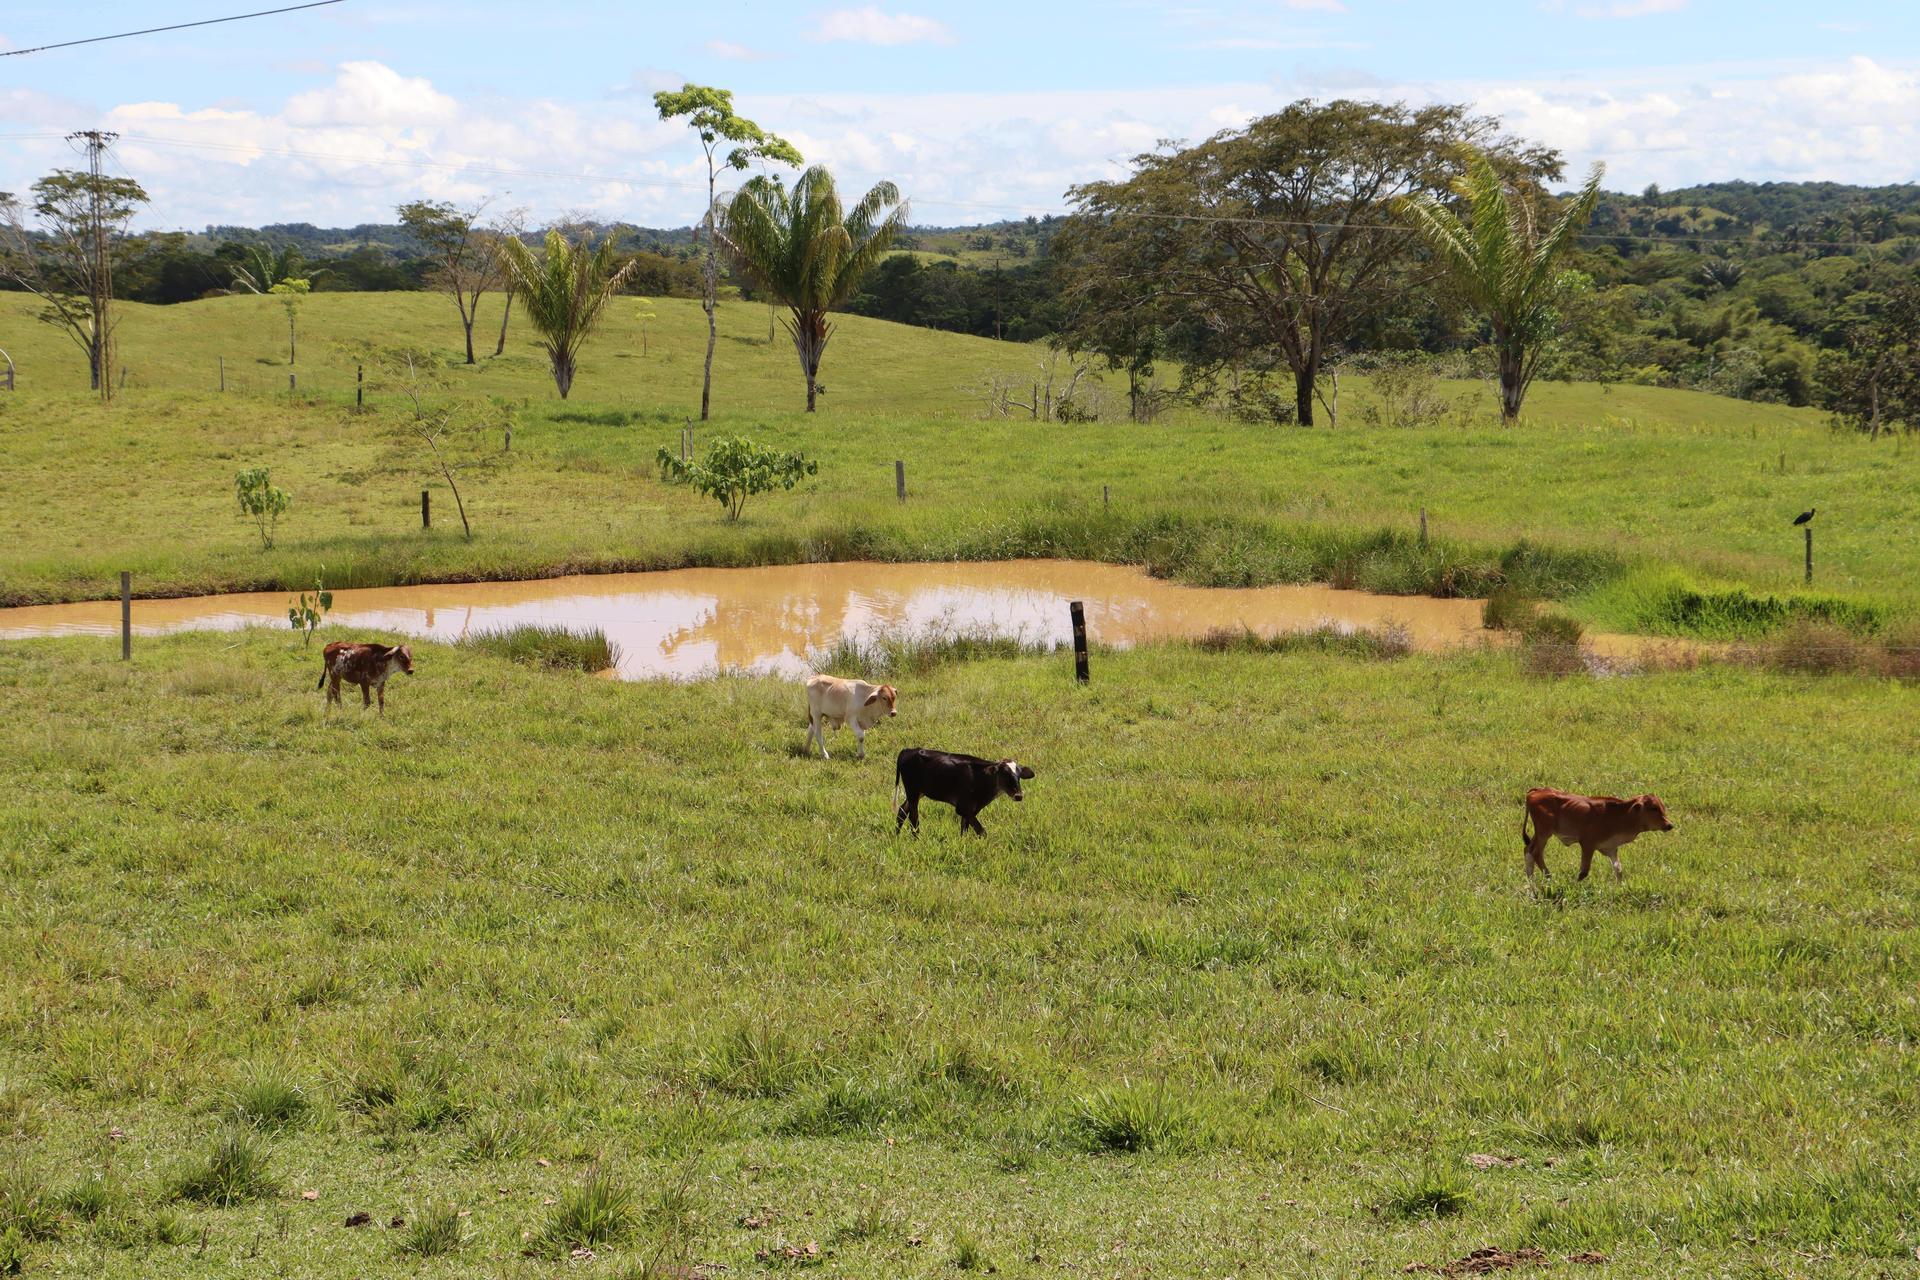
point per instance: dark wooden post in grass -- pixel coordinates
(900, 479)
(1423, 528)
(1809, 532)
(1106, 496)
(359, 386)
(223, 373)
(1079, 612)
(426, 510)
(126, 615)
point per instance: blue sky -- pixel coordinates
(980, 110)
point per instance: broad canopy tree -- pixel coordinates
(1872, 379)
(808, 252)
(1273, 241)
(709, 113)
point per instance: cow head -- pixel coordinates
(885, 693)
(1651, 813)
(1007, 775)
(402, 655)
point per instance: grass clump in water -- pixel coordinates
(1377, 643)
(555, 648)
(905, 652)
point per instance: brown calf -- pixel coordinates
(1592, 822)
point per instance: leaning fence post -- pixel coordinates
(1423, 528)
(426, 510)
(126, 615)
(1809, 533)
(1079, 612)
(900, 479)
(1106, 496)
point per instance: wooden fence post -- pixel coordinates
(359, 386)
(900, 479)
(123, 377)
(126, 615)
(1079, 612)
(426, 510)
(290, 386)
(223, 373)
(1809, 532)
(1423, 528)
(1106, 495)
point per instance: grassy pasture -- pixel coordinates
(1186, 1011)
(1639, 489)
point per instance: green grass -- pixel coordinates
(554, 648)
(1238, 989)
(1645, 509)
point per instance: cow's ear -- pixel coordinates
(1026, 771)
(871, 698)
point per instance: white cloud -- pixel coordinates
(735, 52)
(872, 25)
(1631, 8)
(370, 138)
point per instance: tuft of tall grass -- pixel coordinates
(1130, 1118)
(599, 1209)
(234, 1170)
(553, 647)
(1430, 1191)
(754, 1060)
(269, 1098)
(433, 1231)
(27, 1209)
(91, 1198)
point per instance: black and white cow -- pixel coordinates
(968, 783)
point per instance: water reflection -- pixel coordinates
(688, 621)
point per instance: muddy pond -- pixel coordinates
(684, 623)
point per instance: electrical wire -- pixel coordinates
(178, 26)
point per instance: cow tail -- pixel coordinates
(897, 785)
(1526, 822)
(323, 677)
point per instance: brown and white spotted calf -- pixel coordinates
(367, 665)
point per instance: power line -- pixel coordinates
(178, 26)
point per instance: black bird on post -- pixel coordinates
(1804, 516)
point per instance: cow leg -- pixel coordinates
(366, 695)
(860, 740)
(1586, 860)
(819, 733)
(970, 821)
(1613, 856)
(333, 689)
(381, 689)
(1537, 854)
(912, 811)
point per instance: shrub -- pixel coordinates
(233, 1171)
(553, 647)
(597, 1211)
(261, 500)
(309, 610)
(735, 469)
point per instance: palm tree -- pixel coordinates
(804, 250)
(561, 292)
(1502, 265)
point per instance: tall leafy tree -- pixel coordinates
(466, 256)
(808, 252)
(1871, 380)
(561, 294)
(1504, 261)
(1275, 240)
(730, 141)
(68, 261)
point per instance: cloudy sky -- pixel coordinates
(979, 111)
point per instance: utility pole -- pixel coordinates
(100, 272)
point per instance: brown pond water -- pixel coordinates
(685, 622)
